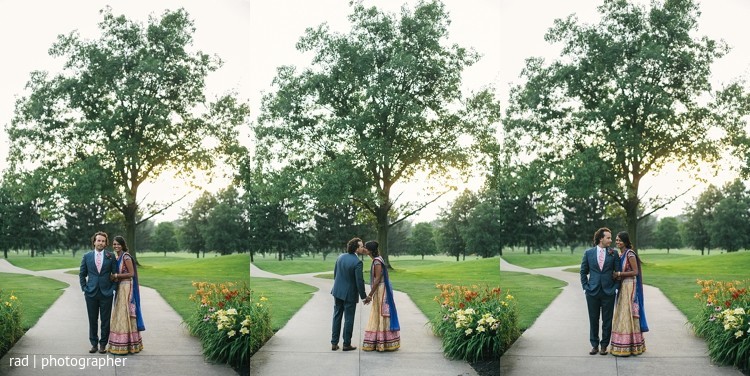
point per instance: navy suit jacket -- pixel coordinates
(594, 279)
(92, 280)
(347, 278)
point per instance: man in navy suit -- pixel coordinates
(94, 275)
(597, 269)
(348, 283)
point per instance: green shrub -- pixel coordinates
(474, 323)
(10, 321)
(724, 321)
(229, 322)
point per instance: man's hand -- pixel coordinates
(367, 300)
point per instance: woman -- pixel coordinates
(629, 322)
(382, 332)
(127, 322)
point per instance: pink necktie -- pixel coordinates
(99, 262)
(601, 259)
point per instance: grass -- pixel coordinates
(47, 262)
(173, 278)
(35, 294)
(285, 297)
(543, 260)
(675, 273)
(418, 278)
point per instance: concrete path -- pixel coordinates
(303, 345)
(557, 343)
(61, 334)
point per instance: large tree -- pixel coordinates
(380, 104)
(126, 108)
(626, 97)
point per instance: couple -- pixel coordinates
(382, 332)
(603, 271)
(102, 273)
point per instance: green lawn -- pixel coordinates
(35, 294)
(418, 278)
(48, 262)
(286, 297)
(543, 260)
(675, 273)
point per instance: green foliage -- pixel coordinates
(10, 320)
(382, 103)
(730, 227)
(422, 240)
(624, 99)
(700, 215)
(230, 323)
(165, 238)
(475, 323)
(126, 108)
(668, 234)
(724, 321)
(455, 221)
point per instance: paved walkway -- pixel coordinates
(303, 345)
(557, 343)
(61, 334)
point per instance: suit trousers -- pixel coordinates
(98, 307)
(347, 310)
(605, 305)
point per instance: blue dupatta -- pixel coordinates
(638, 296)
(136, 296)
(388, 292)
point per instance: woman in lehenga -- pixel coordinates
(127, 322)
(382, 332)
(629, 322)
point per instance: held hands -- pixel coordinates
(367, 300)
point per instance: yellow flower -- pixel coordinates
(738, 334)
(469, 331)
(12, 297)
(263, 298)
(231, 333)
(244, 331)
(8, 304)
(509, 297)
(480, 329)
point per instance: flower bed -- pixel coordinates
(10, 321)
(230, 323)
(724, 321)
(475, 323)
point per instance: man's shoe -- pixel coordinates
(92, 349)
(349, 348)
(603, 352)
(334, 347)
(102, 349)
(594, 351)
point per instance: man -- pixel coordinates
(597, 269)
(94, 275)
(348, 283)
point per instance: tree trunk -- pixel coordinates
(382, 225)
(130, 213)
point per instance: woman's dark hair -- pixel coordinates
(599, 234)
(625, 238)
(372, 246)
(121, 241)
(353, 244)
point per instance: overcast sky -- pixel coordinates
(254, 37)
